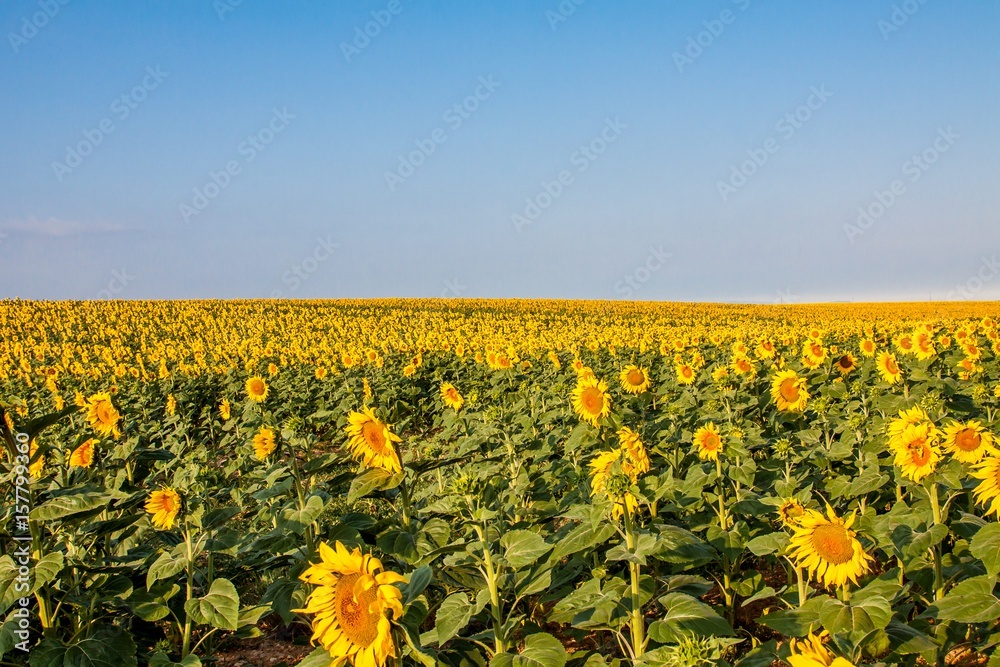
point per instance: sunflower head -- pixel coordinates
(353, 605)
(917, 452)
(791, 512)
(264, 443)
(225, 411)
(788, 391)
(708, 442)
(888, 368)
(591, 401)
(257, 389)
(634, 379)
(810, 652)
(451, 397)
(371, 442)
(83, 455)
(611, 476)
(164, 505)
(102, 415)
(987, 492)
(827, 548)
(968, 442)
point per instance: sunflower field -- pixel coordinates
(503, 483)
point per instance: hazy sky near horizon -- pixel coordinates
(719, 150)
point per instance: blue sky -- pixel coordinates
(714, 150)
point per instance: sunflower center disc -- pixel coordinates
(373, 436)
(354, 613)
(833, 544)
(789, 391)
(968, 440)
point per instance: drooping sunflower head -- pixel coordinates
(888, 368)
(636, 458)
(102, 415)
(827, 548)
(987, 492)
(257, 389)
(708, 442)
(451, 397)
(968, 442)
(612, 476)
(264, 443)
(171, 405)
(917, 452)
(83, 455)
(371, 441)
(164, 505)
(225, 411)
(352, 603)
(591, 401)
(634, 379)
(789, 392)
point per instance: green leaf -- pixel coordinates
(164, 567)
(523, 547)
(581, 538)
(986, 547)
(453, 615)
(47, 568)
(971, 601)
(686, 617)
(372, 479)
(904, 640)
(297, 520)
(220, 608)
(318, 658)
(161, 659)
(765, 545)
(857, 618)
(540, 650)
(68, 505)
(419, 579)
(152, 605)
(107, 646)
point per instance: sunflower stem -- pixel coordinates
(638, 623)
(932, 493)
(189, 592)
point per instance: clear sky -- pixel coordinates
(714, 150)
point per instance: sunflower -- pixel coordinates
(319, 373)
(720, 374)
(371, 441)
(968, 442)
(868, 348)
(788, 391)
(164, 506)
(38, 464)
(634, 380)
(686, 374)
(911, 417)
(708, 442)
(224, 410)
(349, 605)
(743, 366)
(591, 401)
(611, 475)
(827, 548)
(791, 512)
(451, 397)
(256, 389)
(83, 455)
(917, 452)
(635, 451)
(272, 369)
(888, 368)
(264, 443)
(171, 405)
(987, 492)
(845, 364)
(810, 652)
(102, 415)
(409, 370)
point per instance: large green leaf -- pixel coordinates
(220, 608)
(540, 650)
(164, 567)
(297, 520)
(372, 479)
(453, 615)
(523, 547)
(986, 547)
(68, 505)
(687, 617)
(857, 618)
(108, 646)
(971, 601)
